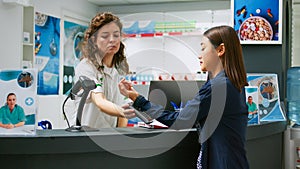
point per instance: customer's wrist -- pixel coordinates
(133, 95)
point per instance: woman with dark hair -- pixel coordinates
(103, 61)
(11, 114)
(218, 110)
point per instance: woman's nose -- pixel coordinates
(199, 57)
(111, 38)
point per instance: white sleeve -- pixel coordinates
(84, 68)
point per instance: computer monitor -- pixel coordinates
(163, 92)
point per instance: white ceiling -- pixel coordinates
(134, 2)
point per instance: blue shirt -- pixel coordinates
(224, 149)
(251, 107)
(14, 117)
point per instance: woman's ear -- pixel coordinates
(221, 50)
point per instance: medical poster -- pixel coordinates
(258, 22)
(47, 50)
(22, 84)
(269, 108)
(252, 103)
(73, 39)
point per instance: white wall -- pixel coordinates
(56, 8)
(11, 33)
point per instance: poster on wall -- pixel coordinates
(252, 103)
(73, 39)
(18, 93)
(47, 50)
(269, 108)
(258, 22)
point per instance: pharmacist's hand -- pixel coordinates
(9, 126)
(126, 89)
(128, 111)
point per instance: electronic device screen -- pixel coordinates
(165, 92)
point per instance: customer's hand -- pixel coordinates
(128, 111)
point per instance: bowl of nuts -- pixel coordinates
(256, 28)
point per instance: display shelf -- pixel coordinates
(160, 34)
(28, 42)
(166, 39)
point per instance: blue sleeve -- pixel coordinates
(186, 118)
(194, 110)
(155, 111)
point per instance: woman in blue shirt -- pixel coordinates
(218, 110)
(252, 107)
(11, 114)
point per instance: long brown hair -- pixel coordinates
(233, 61)
(90, 49)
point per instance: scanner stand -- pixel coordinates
(76, 128)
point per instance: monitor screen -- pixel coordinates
(165, 92)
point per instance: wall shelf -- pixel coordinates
(28, 44)
(160, 34)
(28, 26)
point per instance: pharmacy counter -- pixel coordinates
(131, 148)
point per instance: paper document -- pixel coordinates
(153, 125)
